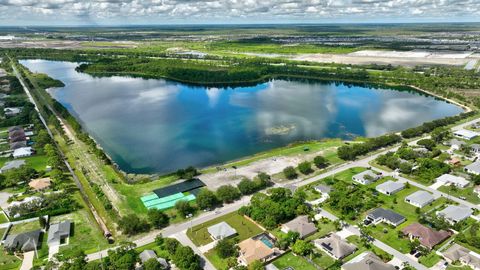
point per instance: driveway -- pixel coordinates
(27, 262)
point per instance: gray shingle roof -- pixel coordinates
(455, 213)
(459, 253)
(13, 164)
(390, 187)
(323, 189)
(221, 230)
(473, 167)
(58, 231)
(335, 245)
(367, 261)
(386, 214)
(302, 225)
(420, 197)
(25, 242)
(147, 254)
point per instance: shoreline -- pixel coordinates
(465, 107)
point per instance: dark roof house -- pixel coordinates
(23, 242)
(384, 215)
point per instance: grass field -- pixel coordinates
(25, 227)
(245, 229)
(461, 192)
(3, 218)
(291, 260)
(37, 162)
(8, 262)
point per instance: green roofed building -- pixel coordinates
(152, 201)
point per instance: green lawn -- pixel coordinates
(296, 262)
(25, 227)
(461, 192)
(8, 262)
(85, 233)
(219, 263)
(322, 259)
(429, 260)
(353, 239)
(245, 229)
(3, 218)
(37, 162)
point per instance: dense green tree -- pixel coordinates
(320, 162)
(131, 224)
(246, 186)
(290, 173)
(152, 264)
(305, 167)
(206, 199)
(226, 248)
(171, 245)
(302, 247)
(228, 193)
(185, 259)
(184, 208)
(256, 265)
(157, 218)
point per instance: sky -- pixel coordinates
(135, 12)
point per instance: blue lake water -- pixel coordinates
(158, 125)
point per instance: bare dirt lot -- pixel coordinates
(396, 58)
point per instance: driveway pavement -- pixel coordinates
(27, 262)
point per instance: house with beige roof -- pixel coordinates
(457, 253)
(253, 249)
(335, 246)
(367, 261)
(40, 184)
(300, 224)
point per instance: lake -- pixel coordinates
(157, 126)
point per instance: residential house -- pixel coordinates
(475, 148)
(17, 138)
(40, 184)
(477, 190)
(366, 177)
(457, 253)
(452, 180)
(473, 168)
(379, 215)
(324, 189)
(427, 237)
(300, 224)
(23, 152)
(456, 144)
(465, 134)
(390, 187)
(454, 214)
(335, 246)
(254, 249)
(23, 242)
(58, 233)
(12, 111)
(19, 144)
(419, 198)
(221, 230)
(14, 164)
(11, 129)
(367, 261)
(454, 161)
(148, 254)
(15, 133)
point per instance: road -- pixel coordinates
(364, 162)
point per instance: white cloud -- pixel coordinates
(249, 11)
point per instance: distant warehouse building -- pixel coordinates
(466, 134)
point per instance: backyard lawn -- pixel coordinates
(245, 229)
(461, 192)
(295, 262)
(8, 262)
(25, 227)
(3, 218)
(219, 263)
